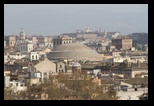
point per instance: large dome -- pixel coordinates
(75, 51)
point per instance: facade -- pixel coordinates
(87, 33)
(4, 43)
(17, 55)
(46, 66)
(6, 81)
(34, 56)
(111, 35)
(123, 43)
(116, 53)
(140, 38)
(60, 67)
(6, 58)
(46, 40)
(10, 40)
(34, 39)
(26, 47)
(17, 86)
(76, 68)
(23, 45)
(110, 48)
(60, 40)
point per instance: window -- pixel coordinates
(60, 66)
(36, 56)
(26, 48)
(32, 57)
(62, 70)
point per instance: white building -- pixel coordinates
(23, 45)
(6, 81)
(6, 57)
(120, 59)
(34, 56)
(17, 55)
(111, 35)
(17, 86)
(26, 47)
(134, 59)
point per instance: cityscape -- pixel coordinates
(84, 64)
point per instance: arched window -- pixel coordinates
(36, 57)
(62, 70)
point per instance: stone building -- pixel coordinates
(4, 43)
(129, 71)
(123, 43)
(76, 68)
(140, 38)
(34, 56)
(10, 40)
(46, 40)
(26, 47)
(46, 66)
(60, 40)
(34, 39)
(22, 44)
(60, 67)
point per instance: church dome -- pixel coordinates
(22, 34)
(75, 51)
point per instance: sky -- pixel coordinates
(55, 19)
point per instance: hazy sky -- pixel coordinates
(54, 19)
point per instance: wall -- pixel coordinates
(118, 59)
(60, 67)
(6, 81)
(17, 56)
(34, 56)
(134, 72)
(46, 66)
(126, 43)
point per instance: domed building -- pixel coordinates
(74, 51)
(23, 45)
(22, 34)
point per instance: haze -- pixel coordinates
(54, 19)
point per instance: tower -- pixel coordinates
(22, 34)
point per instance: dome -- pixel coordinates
(22, 34)
(75, 51)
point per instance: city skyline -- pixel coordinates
(55, 19)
